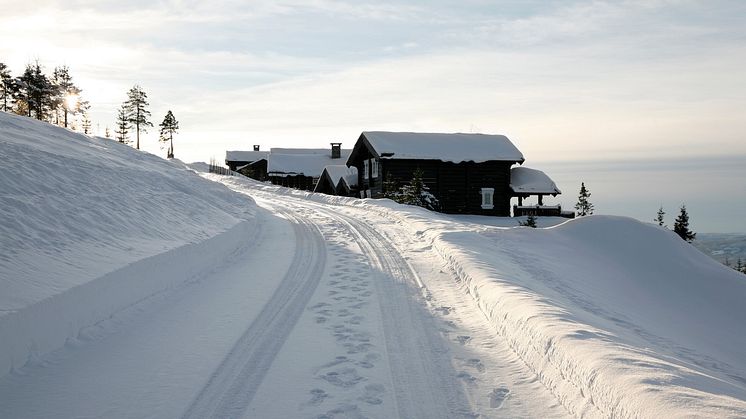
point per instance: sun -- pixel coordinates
(71, 101)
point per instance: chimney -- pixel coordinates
(336, 150)
(256, 147)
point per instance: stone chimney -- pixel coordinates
(336, 150)
(256, 147)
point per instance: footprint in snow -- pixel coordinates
(372, 394)
(345, 377)
(498, 396)
(463, 339)
(318, 396)
(476, 363)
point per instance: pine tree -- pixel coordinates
(84, 107)
(584, 206)
(530, 221)
(390, 187)
(659, 218)
(23, 91)
(107, 133)
(168, 127)
(67, 91)
(6, 85)
(417, 193)
(123, 125)
(681, 226)
(44, 93)
(137, 112)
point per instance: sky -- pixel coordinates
(642, 100)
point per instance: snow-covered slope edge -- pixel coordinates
(617, 318)
(89, 226)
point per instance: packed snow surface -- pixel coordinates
(446, 147)
(165, 295)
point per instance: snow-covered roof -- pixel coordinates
(339, 172)
(238, 155)
(305, 164)
(318, 151)
(446, 147)
(532, 181)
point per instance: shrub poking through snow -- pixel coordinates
(530, 222)
(659, 218)
(584, 206)
(681, 226)
(417, 193)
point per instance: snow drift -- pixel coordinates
(75, 210)
(617, 318)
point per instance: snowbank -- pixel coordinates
(76, 209)
(616, 318)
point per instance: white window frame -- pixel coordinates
(374, 168)
(366, 163)
(488, 198)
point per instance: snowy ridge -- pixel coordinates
(80, 215)
(607, 325)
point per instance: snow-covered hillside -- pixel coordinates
(191, 300)
(74, 209)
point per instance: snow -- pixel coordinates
(250, 156)
(617, 318)
(78, 209)
(446, 147)
(316, 151)
(532, 181)
(133, 287)
(308, 164)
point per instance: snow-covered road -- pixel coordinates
(316, 313)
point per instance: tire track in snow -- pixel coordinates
(425, 383)
(232, 386)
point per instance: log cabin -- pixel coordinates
(467, 173)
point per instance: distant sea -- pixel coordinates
(723, 247)
(713, 189)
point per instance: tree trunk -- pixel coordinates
(137, 123)
(65, 117)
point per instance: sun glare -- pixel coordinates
(71, 101)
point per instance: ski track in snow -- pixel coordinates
(417, 352)
(232, 386)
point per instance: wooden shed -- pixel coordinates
(337, 180)
(526, 182)
(467, 173)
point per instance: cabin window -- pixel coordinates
(487, 198)
(374, 167)
(365, 168)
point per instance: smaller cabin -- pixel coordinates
(301, 168)
(236, 159)
(337, 180)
